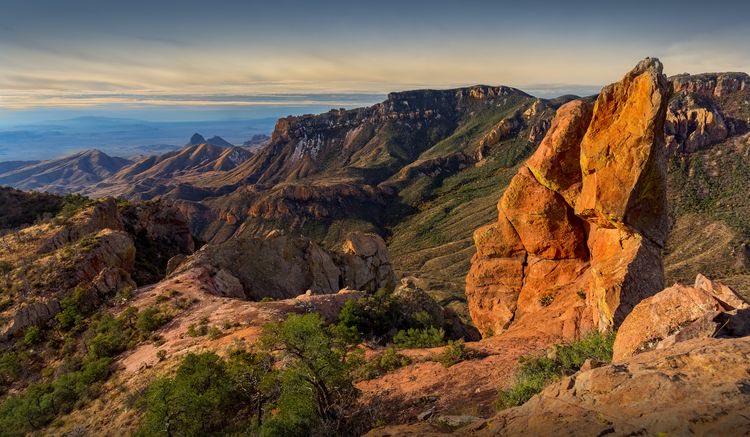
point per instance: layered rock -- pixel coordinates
(280, 266)
(581, 226)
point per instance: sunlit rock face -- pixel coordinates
(581, 226)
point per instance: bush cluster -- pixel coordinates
(535, 373)
(80, 376)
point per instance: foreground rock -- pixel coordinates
(661, 392)
(280, 266)
(680, 313)
(581, 226)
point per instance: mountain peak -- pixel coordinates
(219, 141)
(196, 139)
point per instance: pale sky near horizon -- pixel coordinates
(82, 55)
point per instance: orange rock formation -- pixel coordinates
(581, 226)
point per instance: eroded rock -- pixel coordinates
(581, 226)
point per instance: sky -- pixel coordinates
(179, 60)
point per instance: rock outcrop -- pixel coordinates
(663, 392)
(693, 124)
(280, 266)
(680, 313)
(581, 226)
(102, 248)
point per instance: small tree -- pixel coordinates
(254, 379)
(316, 385)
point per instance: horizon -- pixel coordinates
(253, 60)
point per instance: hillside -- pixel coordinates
(67, 174)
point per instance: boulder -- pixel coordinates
(282, 266)
(412, 299)
(365, 264)
(676, 314)
(32, 314)
(580, 227)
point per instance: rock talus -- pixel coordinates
(580, 228)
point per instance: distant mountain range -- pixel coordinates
(115, 136)
(85, 171)
(425, 168)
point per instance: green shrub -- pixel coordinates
(316, 384)
(546, 299)
(209, 395)
(389, 360)
(535, 373)
(33, 336)
(413, 338)
(150, 319)
(194, 402)
(72, 203)
(454, 353)
(41, 402)
(70, 317)
(372, 315)
(108, 336)
(197, 331)
(10, 367)
(214, 333)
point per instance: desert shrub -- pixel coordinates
(73, 310)
(108, 336)
(5, 267)
(413, 338)
(535, 373)
(10, 367)
(389, 360)
(150, 319)
(454, 353)
(379, 316)
(546, 299)
(33, 336)
(72, 203)
(197, 331)
(194, 402)
(214, 333)
(210, 395)
(308, 393)
(42, 402)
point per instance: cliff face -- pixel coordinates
(99, 250)
(581, 226)
(379, 138)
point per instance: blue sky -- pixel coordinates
(223, 59)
